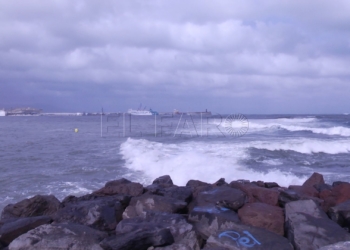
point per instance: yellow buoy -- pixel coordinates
(76, 130)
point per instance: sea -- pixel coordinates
(75, 155)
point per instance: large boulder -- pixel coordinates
(338, 194)
(180, 193)
(59, 236)
(264, 216)
(123, 199)
(15, 227)
(287, 195)
(140, 239)
(305, 192)
(220, 182)
(121, 186)
(271, 185)
(198, 186)
(103, 213)
(163, 181)
(140, 205)
(341, 214)
(240, 237)
(308, 189)
(256, 193)
(182, 232)
(314, 179)
(36, 206)
(209, 219)
(224, 196)
(308, 227)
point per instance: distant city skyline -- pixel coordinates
(249, 57)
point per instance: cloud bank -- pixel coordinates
(228, 56)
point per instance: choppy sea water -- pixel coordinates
(44, 155)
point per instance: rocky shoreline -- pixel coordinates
(163, 216)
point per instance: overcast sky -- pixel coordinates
(246, 56)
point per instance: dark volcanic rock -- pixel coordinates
(220, 182)
(308, 227)
(336, 183)
(258, 183)
(304, 191)
(209, 219)
(224, 196)
(148, 202)
(14, 228)
(140, 239)
(264, 216)
(308, 190)
(240, 237)
(198, 186)
(286, 196)
(341, 214)
(123, 199)
(180, 193)
(314, 179)
(339, 194)
(344, 245)
(271, 184)
(257, 194)
(321, 187)
(36, 206)
(182, 231)
(59, 236)
(163, 181)
(102, 213)
(121, 186)
(175, 246)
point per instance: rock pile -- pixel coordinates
(163, 216)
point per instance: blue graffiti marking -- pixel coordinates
(248, 241)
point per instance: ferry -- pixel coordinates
(142, 112)
(139, 112)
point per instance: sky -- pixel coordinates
(241, 56)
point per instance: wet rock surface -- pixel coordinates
(60, 236)
(257, 193)
(264, 216)
(36, 206)
(163, 216)
(209, 219)
(14, 228)
(102, 213)
(308, 226)
(246, 237)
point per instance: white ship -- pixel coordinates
(139, 112)
(2, 113)
(142, 111)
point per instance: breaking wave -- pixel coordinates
(196, 160)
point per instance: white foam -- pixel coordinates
(296, 120)
(338, 130)
(307, 146)
(196, 160)
(272, 162)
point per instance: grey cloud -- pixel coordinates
(278, 55)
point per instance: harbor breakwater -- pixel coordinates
(237, 215)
